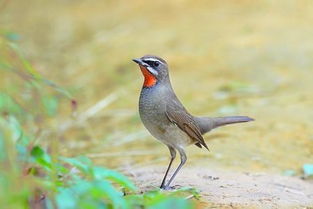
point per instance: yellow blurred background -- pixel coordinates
(233, 57)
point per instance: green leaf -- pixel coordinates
(87, 194)
(83, 163)
(102, 173)
(12, 36)
(3, 152)
(4, 65)
(15, 127)
(135, 200)
(173, 202)
(308, 170)
(109, 191)
(41, 157)
(51, 104)
(28, 67)
(66, 199)
(289, 172)
(7, 104)
(159, 199)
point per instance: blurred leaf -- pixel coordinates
(289, 173)
(22, 152)
(26, 63)
(4, 65)
(308, 170)
(66, 199)
(82, 163)
(15, 127)
(135, 200)
(13, 36)
(189, 190)
(91, 193)
(159, 199)
(237, 86)
(172, 203)
(37, 77)
(93, 205)
(7, 104)
(101, 173)
(41, 157)
(228, 109)
(2, 146)
(51, 104)
(106, 189)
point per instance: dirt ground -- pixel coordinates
(228, 189)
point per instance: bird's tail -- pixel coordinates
(206, 124)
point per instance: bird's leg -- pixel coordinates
(183, 159)
(173, 155)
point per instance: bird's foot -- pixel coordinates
(167, 188)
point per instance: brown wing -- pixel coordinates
(186, 123)
(198, 145)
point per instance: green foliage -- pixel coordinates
(50, 104)
(308, 170)
(41, 157)
(7, 103)
(32, 174)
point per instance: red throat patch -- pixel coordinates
(150, 80)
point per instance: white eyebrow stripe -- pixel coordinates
(152, 59)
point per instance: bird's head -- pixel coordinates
(153, 68)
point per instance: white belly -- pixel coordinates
(175, 137)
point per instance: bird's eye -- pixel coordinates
(155, 64)
(152, 63)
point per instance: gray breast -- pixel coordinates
(152, 107)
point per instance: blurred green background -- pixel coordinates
(226, 58)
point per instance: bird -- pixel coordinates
(165, 117)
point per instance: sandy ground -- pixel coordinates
(228, 189)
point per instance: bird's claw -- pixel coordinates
(167, 188)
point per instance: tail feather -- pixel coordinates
(222, 121)
(206, 124)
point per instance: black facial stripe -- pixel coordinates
(151, 63)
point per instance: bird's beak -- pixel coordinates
(138, 61)
(144, 66)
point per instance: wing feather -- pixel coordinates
(186, 123)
